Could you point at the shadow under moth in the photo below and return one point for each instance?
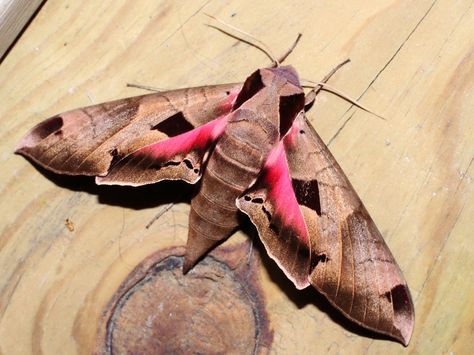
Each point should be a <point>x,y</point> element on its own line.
<point>249,148</point>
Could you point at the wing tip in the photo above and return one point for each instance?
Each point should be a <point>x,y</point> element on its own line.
<point>405,335</point>
<point>20,149</point>
<point>41,131</point>
<point>403,316</point>
<point>300,283</point>
<point>404,313</point>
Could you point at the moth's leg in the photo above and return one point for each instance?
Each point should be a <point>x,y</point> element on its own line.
<point>145,87</point>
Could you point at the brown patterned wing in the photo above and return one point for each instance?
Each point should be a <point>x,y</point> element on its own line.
<point>272,207</point>
<point>88,141</point>
<point>350,262</point>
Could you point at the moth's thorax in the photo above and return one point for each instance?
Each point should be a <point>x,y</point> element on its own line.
<point>266,107</point>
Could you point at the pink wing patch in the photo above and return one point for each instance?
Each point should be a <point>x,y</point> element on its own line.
<point>198,139</point>
<point>227,105</point>
<point>281,193</point>
<point>175,158</point>
<point>290,138</point>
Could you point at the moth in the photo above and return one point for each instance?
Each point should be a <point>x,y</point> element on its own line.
<point>248,148</point>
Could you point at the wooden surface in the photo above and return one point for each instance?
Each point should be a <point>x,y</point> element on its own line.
<point>66,245</point>
<point>218,307</point>
<point>14,15</point>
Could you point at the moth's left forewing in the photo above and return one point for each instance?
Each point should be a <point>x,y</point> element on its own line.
<point>100,140</point>
<point>350,262</point>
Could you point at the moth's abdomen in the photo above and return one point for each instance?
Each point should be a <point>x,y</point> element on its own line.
<point>231,168</point>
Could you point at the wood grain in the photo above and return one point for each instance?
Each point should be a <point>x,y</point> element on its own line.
<point>215,308</point>
<point>14,15</point>
<point>412,62</point>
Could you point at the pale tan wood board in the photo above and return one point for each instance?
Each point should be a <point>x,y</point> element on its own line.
<point>14,15</point>
<point>412,62</point>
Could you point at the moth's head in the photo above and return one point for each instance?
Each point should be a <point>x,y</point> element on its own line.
<point>284,74</point>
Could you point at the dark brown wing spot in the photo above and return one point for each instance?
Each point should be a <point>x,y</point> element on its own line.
<point>267,213</point>
<point>274,228</point>
<point>188,163</point>
<point>174,125</point>
<point>170,163</point>
<point>44,129</point>
<point>190,166</point>
<point>316,259</point>
<point>252,85</point>
<point>401,299</point>
<point>307,194</point>
<point>271,224</point>
<point>290,106</point>
<point>116,156</point>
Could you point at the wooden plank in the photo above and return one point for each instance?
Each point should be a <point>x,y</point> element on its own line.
<point>14,15</point>
<point>412,62</point>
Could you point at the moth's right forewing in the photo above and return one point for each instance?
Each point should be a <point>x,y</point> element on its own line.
<point>88,140</point>
<point>350,262</point>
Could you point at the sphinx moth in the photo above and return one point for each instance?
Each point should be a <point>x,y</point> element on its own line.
<point>253,151</point>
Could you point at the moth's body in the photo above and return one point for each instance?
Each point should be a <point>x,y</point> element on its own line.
<point>236,161</point>
<point>214,216</point>
<point>252,150</point>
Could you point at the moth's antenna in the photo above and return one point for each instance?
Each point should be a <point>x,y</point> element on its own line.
<point>288,52</point>
<point>256,42</point>
<point>311,96</point>
<point>334,70</point>
<point>316,87</point>
<point>324,86</point>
